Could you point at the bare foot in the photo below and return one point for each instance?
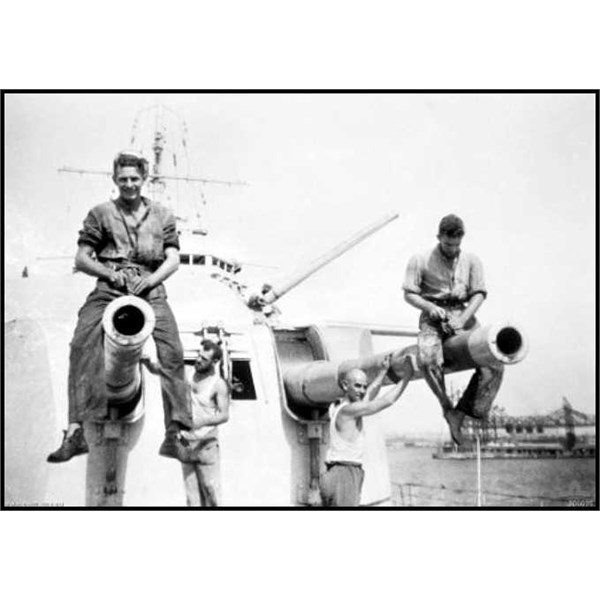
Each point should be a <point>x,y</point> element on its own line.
<point>455,418</point>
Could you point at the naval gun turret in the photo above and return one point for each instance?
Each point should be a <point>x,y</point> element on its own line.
<point>313,359</point>
<point>317,383</point>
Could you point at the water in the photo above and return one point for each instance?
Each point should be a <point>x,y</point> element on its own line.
<point>420,480</point>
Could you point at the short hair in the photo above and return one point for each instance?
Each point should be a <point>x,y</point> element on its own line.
<point>214,347</point>
<point>131,158</point>
<point>452,226</point>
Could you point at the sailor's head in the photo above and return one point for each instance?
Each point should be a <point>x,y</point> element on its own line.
<point>354,384</point>
<point>130,170</point>
<point>450,234</point>
<point>209,355</point>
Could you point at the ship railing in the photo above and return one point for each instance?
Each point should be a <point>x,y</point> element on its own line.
<point>419,494</point>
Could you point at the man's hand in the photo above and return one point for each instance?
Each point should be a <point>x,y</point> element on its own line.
<point>142,285</point>
<point>386,363</point>
<point>116,279</point>
<point>152,367</point>
<point>437,313</point>
<point>456,323</point>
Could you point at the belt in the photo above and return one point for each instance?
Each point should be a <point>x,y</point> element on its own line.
<point>125,266</point>
<point>448,303</point>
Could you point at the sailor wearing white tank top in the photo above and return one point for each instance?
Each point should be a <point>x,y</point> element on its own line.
<point>342,483</point>
<point>344,449</point>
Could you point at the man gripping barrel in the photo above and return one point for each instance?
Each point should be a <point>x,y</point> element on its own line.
<point>342,483</point>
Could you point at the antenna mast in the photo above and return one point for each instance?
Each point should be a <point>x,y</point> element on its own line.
<point>191,221</point>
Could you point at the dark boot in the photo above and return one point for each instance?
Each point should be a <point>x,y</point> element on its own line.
<point>71,446</point>
<point>455,419</point>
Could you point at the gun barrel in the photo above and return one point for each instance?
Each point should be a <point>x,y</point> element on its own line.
<point>278,291</point>
<point>317,383</point>
<point>128,321</point>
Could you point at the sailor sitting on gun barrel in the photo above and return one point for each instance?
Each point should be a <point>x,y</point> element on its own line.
<point>447,285</point>
<point>136,248</point>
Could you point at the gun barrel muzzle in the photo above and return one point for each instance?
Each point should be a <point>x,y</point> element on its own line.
<point>128,322</point>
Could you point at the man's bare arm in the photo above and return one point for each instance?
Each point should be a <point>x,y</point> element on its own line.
<point>435,312</point>
<point>376,384</point>
<point>364,408</point>
<point>222,415</point>
<point>153,367</point>
<point>222,398</point>
<point>458,322</point>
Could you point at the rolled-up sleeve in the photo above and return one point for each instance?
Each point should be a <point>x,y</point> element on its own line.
<point>91,234</point>
<point>412,277</point>
<point>170,236</point>
<point>476,280</point>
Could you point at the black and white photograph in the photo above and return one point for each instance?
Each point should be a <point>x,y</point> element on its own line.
<point>296,299</point>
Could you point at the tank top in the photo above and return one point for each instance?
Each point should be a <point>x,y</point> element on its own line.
<point>203,404</point>
<point>341,450</point>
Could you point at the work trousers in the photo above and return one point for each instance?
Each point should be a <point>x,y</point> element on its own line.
<point>483,387</point>
<point>87,385</point>
<point>341,484</point>
<point>202,478</point>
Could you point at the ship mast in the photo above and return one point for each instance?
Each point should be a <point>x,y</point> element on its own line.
<point>168,139</point>
<point>189,211</point>
<point>165,142</point>
<point>160,143</point>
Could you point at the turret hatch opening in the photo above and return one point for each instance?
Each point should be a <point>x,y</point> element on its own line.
<point>236,366</point>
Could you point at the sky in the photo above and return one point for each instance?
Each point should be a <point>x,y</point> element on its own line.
<point>518,168</point>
